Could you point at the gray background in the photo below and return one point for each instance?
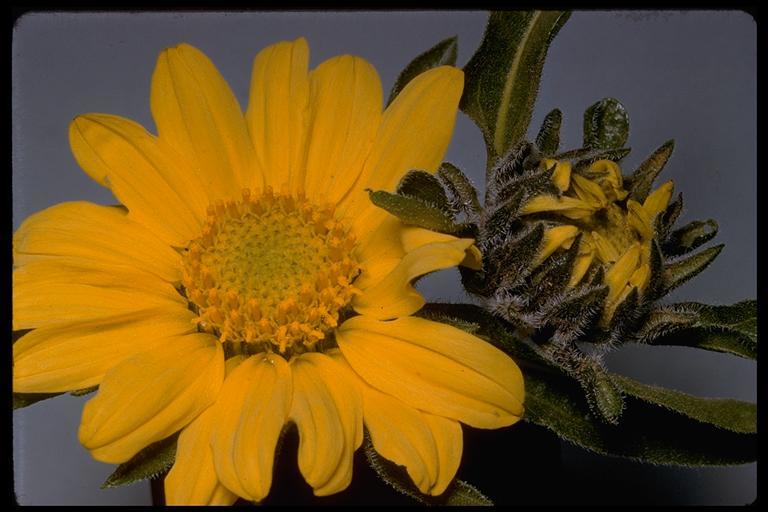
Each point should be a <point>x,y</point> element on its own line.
<point>683,75</point>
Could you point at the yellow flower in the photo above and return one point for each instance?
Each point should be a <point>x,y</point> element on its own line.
<point>617,232</point>
<point>246,281</point>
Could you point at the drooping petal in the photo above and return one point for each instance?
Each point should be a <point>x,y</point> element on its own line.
<point>253,407</point>
<point>328,412</point>
<point>278,114</point>
<point>414,134</point>
<point>159,191</point>
<point>101,235</point>
<point>151,395</point>
<point>69,356</point>
<point>345,106</point>
<point>436,368</point>
<point>53,291</point>
<point>192,480</point>
<point>197,114</point>
<point>394,295</point>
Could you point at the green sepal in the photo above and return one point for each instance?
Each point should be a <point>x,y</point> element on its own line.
<point>21,400</point>
<point>414,211</point>
<point>425,186</point>
<point>442,54</point>
<point>729,329</point>
<point>642,179</point>
<point>603,395</point>
<point>689,237</point>
<point>733,415</point>
<point>548,138</point>
<point>669,216</point>
<point>681,271</point>
<point>576,311</point>
<point>582,158</point>
<point>502,77</point>
<point>513,264</point>
<point>606,125</point>
<point>646,432</point>
<point>462,190</point>
<point>148,463</point>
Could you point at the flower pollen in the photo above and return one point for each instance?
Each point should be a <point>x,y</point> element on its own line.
<point>270,271</point>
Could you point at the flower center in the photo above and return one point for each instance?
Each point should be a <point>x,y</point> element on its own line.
<point>270,271</point>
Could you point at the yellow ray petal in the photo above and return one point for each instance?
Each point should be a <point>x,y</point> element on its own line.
<point>197,114</point>
<point>449,442</point>
<point>329,415</point>
<point>555,238</point>
<point>581,265</point>
<point>159,192</point>
<point>658,200</point>
<point>618,275</point>
<point>436,368</point>
<point>639,278</point>
<point>253,406</point>
<point>604,248</point>
<point>69,356</point>
<point>589,191</point>
<point>639,219</point>
<point>192,480</point>
<point>52,291</point>
<point>568,206</point>
<point>561,175</point>
<point>345,106</point>
<point>277,114</point>
<point>100,235</point>
<point>414,134</point>
<point>394,295</point>
<point>151,395</point>
<point>611,180</point>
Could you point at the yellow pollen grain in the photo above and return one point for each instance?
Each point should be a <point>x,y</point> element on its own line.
<point>272,270</point>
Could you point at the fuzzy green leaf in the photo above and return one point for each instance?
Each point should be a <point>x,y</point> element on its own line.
<point>548,138</point>
<point>603,395</point>
<point>679,272</point>
<point>647,433</point>
<point>425,186</point>
<point>606,125</point>
<point>667,219</point>
<point>502,77</point>
<point>415,211</point>
<point>21,400</point>
<point>460,187</point>
<point>462,494</point>
<point>689,237</point>
<point>442,54</point>
<point>733,415</point>
<point>729,329</point>
<point>148,463</point>
<point>642,179</point>
<point>582,158</point>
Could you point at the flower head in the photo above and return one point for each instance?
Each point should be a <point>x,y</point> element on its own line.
<point>247,282</point>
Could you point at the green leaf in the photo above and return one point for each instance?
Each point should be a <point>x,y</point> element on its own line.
<point>733,415</point>
<point>21,400</point>
<point>679,272</point>
<point>148,463</point>
<point>689,237</point>
<point>647,433</point>
<point>502,77</point>
<point>425,186</point>
<point>583,158</point>
<point>460,187</point>
<point>462,494</point>
<point>729,329</point>
<point>442,54</point>
<point>415,212</point>
<point>606,125</point>
<point>642,179</point>
<point>548,138</point>
<point>667,219</point>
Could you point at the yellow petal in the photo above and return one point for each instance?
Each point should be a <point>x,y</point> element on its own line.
<point>561,175</point>
<point>639,219</point>
<point>640,277</point>
<point>277,111</point>
<point>159,192</point>
<point>53,291</point>
<point>414,134</point>
<point>394,295</point>
<point>328,412</point>
<point>658,200</point>
<point>345,106</point>
<point>611,180</point>
<point>151,395</point>
<point>589,191</point>
<point>581,266</point>
<point>413,237</point>
<point>102,235</point>
<point>253,406</point>
<point>618,275</point>
<point>436,368</point>
<point>379,251</point>
<point>69,356</point>
<point>449,442</point>
<point>197,114</point>
<point>604,248</point>
<point>555,238</point>
<point>568,206</point>
<point>192,480</point>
